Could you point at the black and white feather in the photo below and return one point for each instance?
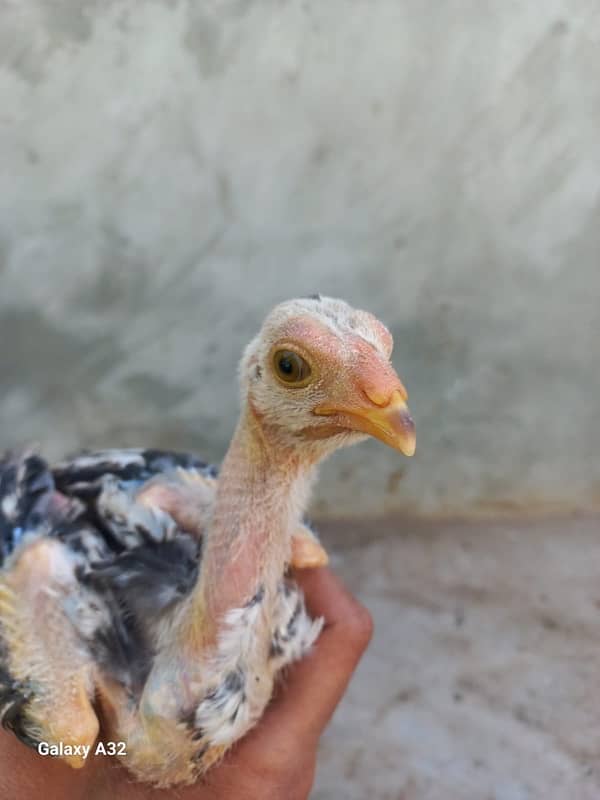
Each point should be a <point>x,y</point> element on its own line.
<point>133,566</point>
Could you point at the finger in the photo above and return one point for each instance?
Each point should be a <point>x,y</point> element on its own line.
<point>26,774</point>
<point>315,685</point>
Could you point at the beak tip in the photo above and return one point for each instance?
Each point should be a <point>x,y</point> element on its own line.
<point>409,449</point>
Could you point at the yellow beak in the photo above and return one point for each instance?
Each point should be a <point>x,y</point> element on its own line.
<point>391,423</point>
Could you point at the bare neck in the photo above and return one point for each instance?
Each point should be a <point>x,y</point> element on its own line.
<point>262,490</point>
<point>261,493</point>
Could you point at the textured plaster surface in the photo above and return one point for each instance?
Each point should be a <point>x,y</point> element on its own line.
<point>481,682</point>
<point>169,170</point>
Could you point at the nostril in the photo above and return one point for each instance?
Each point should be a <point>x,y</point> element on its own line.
<point>377,397</point>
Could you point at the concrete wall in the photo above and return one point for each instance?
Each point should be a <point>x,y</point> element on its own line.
<point>168,170</point>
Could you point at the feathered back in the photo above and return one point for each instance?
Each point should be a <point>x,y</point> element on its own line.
<point>131,560</point>
<point>26,494</point>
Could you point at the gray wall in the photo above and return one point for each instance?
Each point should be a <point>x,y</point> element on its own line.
<point>167,172</point>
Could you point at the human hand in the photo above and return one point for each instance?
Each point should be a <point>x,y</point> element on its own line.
<point>275,761</point>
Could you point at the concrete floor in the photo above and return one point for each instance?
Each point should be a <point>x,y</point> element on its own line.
<point>483,679</point>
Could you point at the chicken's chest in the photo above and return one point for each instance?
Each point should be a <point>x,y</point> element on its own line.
<point>270,631</point>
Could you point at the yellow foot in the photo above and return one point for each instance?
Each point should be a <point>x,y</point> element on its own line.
<point>307,551</point>
<point>44,651</point>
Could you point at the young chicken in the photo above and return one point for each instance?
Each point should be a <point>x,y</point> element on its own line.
<point>140,587</point>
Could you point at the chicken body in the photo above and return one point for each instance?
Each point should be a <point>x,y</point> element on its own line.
<point>109,571</point>
<point>138,587</point>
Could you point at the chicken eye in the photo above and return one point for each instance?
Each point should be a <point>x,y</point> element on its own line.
<point>290,367</point>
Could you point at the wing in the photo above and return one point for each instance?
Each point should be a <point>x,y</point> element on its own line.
<point>29,504</point>
<point>152,562</point>
<point>127,561</point>
<point>110,483</point>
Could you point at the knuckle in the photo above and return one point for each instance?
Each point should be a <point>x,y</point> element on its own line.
<point>303,784</point>
<point>360,626</point>
<point>300,780</point>
<point>277,763</point>
<point>290,776</point>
